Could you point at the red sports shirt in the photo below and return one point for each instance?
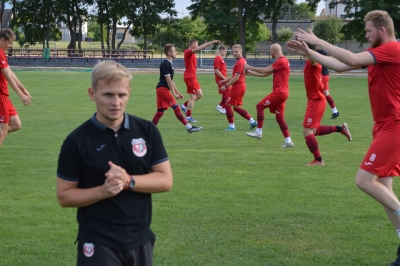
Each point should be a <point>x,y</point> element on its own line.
<point>239,68</point>
<point>384,82</point>
<point>190,64</point>
<point>281,75</point>
<point>219,64</point>
<point>3,81</point>
<point>313,81</point>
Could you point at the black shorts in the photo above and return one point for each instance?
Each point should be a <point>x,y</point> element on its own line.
<point>96,254</point>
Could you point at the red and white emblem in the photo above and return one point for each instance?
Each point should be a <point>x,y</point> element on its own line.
<point>88,249</point>
<point>139,147</point>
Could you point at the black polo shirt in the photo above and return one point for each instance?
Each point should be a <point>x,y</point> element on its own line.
<point>166,69</point>
<point>123,221</point>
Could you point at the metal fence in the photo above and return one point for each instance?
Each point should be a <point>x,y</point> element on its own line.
<point>79,53</point>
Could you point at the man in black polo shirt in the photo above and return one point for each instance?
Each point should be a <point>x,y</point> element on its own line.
<point>107,168</point>
<point>167,92</point>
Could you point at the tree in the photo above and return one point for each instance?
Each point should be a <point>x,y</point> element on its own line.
<point>329,30</point>
<point>146,16</point>
<point>37,19</point>
<point>256,33</point>
<point>109,15</point>
<point>233,17</point>
<point>73,13</point>
<point>94,28</point>
<point>220,18</point>
<point>355,29</point>
<point>165,36</point>
<point>298,11</point>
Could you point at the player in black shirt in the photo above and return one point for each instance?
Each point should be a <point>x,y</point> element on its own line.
<point>166,91</point>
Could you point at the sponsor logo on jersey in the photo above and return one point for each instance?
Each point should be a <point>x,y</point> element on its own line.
<point>139,147</point>
<point>88,249</point>
<point>101,147</point>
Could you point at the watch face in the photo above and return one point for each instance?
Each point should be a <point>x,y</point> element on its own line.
<point>131,183</point>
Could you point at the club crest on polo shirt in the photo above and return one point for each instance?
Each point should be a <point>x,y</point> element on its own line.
<point>88,249</point>
<point>139,147</point>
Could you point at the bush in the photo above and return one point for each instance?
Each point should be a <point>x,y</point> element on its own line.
<point>284,34</point>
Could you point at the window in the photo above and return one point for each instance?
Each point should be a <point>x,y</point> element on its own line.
<point>120,35</point>
<point>342,17</point>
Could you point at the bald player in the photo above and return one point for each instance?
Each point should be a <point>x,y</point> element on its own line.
<point>276,100</point>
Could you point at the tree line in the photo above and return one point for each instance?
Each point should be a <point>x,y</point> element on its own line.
<point>231,21</point>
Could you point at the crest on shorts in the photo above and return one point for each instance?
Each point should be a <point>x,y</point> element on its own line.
<point>139,147</point>
<point>88,249</point>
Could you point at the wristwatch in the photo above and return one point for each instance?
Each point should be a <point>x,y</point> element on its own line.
<point>130,183</point>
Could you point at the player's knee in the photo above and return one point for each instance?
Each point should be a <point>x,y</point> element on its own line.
<point>364,180</point>
<point>14,125</point>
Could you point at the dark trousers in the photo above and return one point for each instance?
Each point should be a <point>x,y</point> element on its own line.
<point>96,254</point>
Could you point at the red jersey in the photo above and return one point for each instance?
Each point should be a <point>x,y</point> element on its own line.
<point>384,82</point>
<point>3,80</point>
<point>219,64</point>
<point>313,81</point>
<point>281,75</point>
<point>190,64</point>
<point>239,68</point>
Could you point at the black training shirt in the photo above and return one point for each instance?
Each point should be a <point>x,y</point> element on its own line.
<point>123,221</point>
<point>166,69</point>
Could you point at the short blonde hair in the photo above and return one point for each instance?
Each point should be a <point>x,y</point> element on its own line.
<point>237,46</point>
<point>109,70</point>
<point>380,18</point>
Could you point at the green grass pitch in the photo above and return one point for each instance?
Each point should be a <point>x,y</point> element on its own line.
<point>235,200</point>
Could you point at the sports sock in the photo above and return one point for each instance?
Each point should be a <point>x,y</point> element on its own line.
<point>229,113</point>
<point>330,100</point>
<point>222,103</point>
<point>325,130</point>
<point>259,130</point>
<point>242,112</point>
<point>188,126</point>
<point>282,124</point>
<point>188,113</point>
<point>157,117</point>
<point>397,212</point>
<point>288,140</point>
<point>334,110</point>
<point>260,114</point>
<point>251,120</point>
<point>178,114</point>
<point>312,145</point>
